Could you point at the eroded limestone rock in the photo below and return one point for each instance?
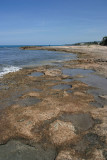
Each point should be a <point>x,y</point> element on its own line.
<point>53,72</point>
<point>98,155</point>
<point>61,132</point>
<point>67,155</point>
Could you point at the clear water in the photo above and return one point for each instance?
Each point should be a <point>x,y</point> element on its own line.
<point>76,71</point>
<point>96,81</point>
<point>68,80</point>
<point>62,86</point>
<point>36,74</point>
<point>13,58</point>
<point>89,77</point>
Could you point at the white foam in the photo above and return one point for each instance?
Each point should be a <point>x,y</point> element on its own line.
<point>8,69</point>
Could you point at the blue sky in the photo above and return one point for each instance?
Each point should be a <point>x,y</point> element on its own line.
<point>52,21</point>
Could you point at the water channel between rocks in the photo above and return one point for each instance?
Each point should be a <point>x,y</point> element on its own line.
<point>36,74</point>
<point>92,79</point>
<point>89,77</point>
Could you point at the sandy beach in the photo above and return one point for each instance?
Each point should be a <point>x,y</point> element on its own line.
<point>57,112</point>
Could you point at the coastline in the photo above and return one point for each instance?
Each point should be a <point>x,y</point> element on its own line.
<point>96,53</point>
<point>37,112</point>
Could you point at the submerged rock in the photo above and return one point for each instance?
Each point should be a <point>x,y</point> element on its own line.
<point>62,87</point>
<point>15,150</point>
<point>88,143</point>
<point>28,101</point>
<point>81,121</point>
<point>36,74</point>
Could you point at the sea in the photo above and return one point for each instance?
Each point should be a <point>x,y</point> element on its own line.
<point>12,58</point>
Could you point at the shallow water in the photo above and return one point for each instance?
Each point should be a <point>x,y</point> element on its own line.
<point>67,80</point>
<point>89,77</point>
<point>88,142</point>
<point>78,120</point>
<point>69,91</point>
<point>12,58</point>
<point>36,74</point>
<point>28,101</point>
<point>96,81</point>
<point>16,150</point>
<point>14,97</point>
<point>62,86</point>
<point>76,71</point>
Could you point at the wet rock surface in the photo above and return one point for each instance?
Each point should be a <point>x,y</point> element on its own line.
<point>76,71</point>
<point>87,145</point>
<point>15,150</point>
<point>28,101</point>
<point>62,87</point>
<point>57,113</point>
<point>81,121</point>
<point>68,80</point>
<point>89,141</point>
<point>36,74</point>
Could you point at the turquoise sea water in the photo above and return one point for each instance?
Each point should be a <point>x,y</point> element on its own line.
<point>12,58</point>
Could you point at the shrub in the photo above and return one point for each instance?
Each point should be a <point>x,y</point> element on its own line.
<point>104,41</point>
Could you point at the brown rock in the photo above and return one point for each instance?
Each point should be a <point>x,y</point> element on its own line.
<point>33,94</point>
<point>98,155</point>
<point>53,72</point>
<point>101,129</point>
<point>19,121</point>
<point>84,96</point>
<point>67,155</point>
<point>61,132</point>
<point>65,94</point>
<point>104,96</point>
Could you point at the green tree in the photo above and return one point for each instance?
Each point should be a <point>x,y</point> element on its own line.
<point>104,41</point>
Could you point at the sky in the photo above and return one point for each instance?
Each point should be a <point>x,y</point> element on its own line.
<point>52,22</point>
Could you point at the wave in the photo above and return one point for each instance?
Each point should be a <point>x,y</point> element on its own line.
<point>8,69</point>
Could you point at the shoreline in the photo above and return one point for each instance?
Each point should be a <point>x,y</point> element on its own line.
<point>47,106</point>
<point>96,53</point>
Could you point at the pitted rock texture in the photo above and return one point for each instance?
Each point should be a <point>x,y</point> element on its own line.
<point>15,150</point>
<point>61,132</point>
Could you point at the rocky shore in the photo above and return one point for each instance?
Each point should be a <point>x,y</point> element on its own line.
<point>97,54</point>
<point>56,112</point>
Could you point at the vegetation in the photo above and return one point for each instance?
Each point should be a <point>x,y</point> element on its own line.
<point>104,41</point>
<point>83,43</point>
<point>88,43</point>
